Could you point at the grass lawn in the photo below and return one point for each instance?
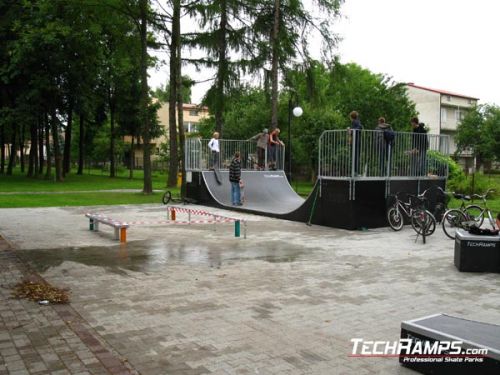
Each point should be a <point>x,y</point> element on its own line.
<point>77,190</point>
<point>93,179</point>
<point>76,199</point>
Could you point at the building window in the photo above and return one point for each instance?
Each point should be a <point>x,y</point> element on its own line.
<point>190,127</point>
<point>193,112</point>
<point>459,115</point>
<point>471,101</point>
<point>443,114</point>
<point>448,98</point>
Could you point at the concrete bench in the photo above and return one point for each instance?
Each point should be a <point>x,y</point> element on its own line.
<point>119,227</point>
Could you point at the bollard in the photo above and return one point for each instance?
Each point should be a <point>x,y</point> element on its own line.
<point>123,234</point>
<point>189,217</point>
<point>236,228</point>
<point>244,229</point>
<point>172,214</point>
<point>215,223</point>
<point>91,224</point>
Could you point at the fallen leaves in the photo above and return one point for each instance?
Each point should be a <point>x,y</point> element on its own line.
<point>38,291</point>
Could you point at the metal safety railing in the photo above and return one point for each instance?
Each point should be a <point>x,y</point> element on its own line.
<point>368,154</point>
<point>199,157</point>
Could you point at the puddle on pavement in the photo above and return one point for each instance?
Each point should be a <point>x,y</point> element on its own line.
<point>152,256</point>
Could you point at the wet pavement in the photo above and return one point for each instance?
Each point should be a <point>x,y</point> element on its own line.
<point>288,299</point>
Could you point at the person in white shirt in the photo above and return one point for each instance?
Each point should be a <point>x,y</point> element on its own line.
<point>213,145</point>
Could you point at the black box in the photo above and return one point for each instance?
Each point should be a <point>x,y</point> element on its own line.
<point>473,339</point>
<point>477,253</point>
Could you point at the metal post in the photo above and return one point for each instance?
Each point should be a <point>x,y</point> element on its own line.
<point>236,228</point>
<point>289,175</point>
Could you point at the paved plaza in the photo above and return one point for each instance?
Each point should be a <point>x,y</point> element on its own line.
<point>179,299</point>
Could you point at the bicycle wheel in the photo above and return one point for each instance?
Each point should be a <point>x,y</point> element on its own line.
<point>475,213</point>
<point>395,218</point>
<point>452,220</point>
<point>423,222</point>
<point>167,197</point>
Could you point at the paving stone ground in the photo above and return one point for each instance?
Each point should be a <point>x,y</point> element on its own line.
<point>190,300</point>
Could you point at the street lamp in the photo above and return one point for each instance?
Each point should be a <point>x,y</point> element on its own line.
<point>297,112</point>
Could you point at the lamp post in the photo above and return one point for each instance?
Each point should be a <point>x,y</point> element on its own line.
<point>297,112</point>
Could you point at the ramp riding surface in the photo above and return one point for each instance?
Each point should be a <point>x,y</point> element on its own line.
<point>266,192</point>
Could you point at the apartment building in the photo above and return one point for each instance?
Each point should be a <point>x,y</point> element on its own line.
<point>442,111</point>
<point>192,115</point>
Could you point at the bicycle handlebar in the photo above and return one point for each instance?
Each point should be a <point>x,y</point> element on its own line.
<point>485,195</point>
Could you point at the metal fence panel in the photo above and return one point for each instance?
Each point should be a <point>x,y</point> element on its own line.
<point>199,156</point>
<point>345,154</point>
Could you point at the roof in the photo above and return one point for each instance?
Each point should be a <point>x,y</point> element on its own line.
<point>442,92</point>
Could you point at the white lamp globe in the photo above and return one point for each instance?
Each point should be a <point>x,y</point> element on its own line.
<point>297,111</point>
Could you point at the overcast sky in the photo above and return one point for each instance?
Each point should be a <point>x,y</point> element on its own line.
<point>443,44</point>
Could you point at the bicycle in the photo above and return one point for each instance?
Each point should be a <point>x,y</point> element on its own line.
<point>479,216</point>
<point>466,216</point>
<point>167,198</point>
<point>421,219</point>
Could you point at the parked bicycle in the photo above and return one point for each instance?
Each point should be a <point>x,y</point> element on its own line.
<point>421,219</point>
<point>466,215</point>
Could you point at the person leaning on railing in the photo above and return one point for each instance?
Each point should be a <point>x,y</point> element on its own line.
<point>262,141</point>
<point>355,131</point>
<point>274,142</point>
<point>420,144</point>
<point>384,139</point>
<point>213,145</point>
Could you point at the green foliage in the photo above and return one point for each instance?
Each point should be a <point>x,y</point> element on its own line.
<point>325,94</point>
<point>479,131</point>
<point>162,93</point>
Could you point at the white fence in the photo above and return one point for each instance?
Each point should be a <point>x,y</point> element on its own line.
<point>366,154</point>
<point>199,156</point>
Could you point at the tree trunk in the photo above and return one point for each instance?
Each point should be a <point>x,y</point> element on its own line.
<point>57,149</point>
<point>33,162</point>
<point>132,159</point>
<point>148,183</point>
<point>274,65</point>
<point>2,149</point>
<point>180,114</point>
<point>174,156</point>
<point>81,145</point>
<point>21,147</point>
<point>13,152</point>
<point>221,70</point>
<point>67,141</point>
<point>40,145</point>
<point>48,169</point>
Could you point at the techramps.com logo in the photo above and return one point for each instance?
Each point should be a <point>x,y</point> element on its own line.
<point>415,350</point>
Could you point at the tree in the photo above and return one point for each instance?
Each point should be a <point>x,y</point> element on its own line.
<point>479,132</point>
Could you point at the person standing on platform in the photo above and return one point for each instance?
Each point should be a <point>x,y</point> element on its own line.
<point>213,145</point>
<point>420,144</point>
<point>274,142</point>
<point>262,141</point>
<point>234,178</point>
<point>355,139</point>
<point>384,139</point>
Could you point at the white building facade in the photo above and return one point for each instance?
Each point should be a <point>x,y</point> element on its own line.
<point>441,111</point>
